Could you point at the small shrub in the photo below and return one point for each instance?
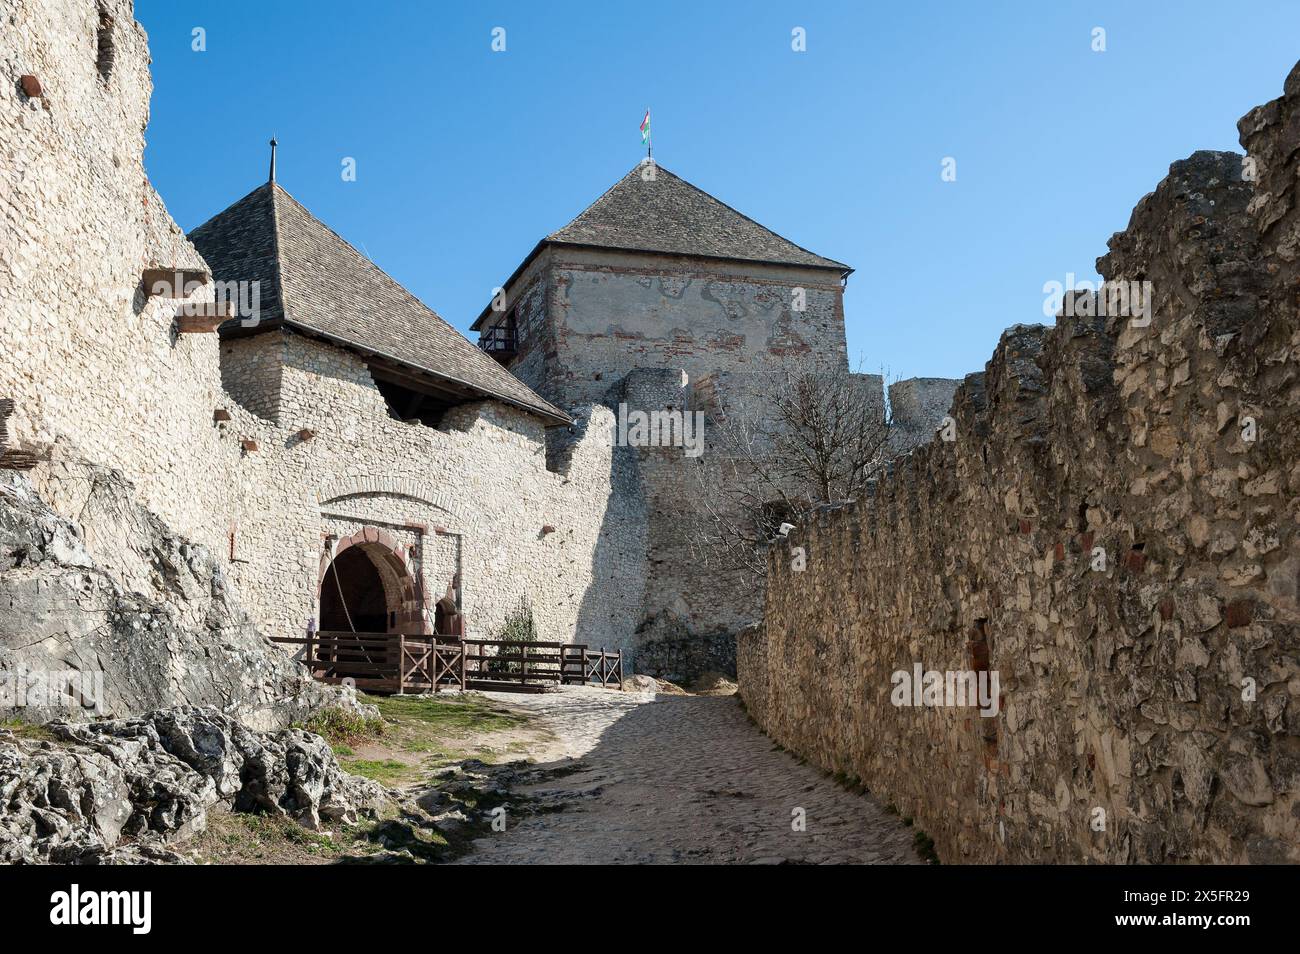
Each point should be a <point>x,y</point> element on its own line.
<point>519,627</point>
<point>344,727</point>
<point>925,847</point>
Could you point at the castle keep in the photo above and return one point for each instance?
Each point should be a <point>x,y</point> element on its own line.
<point>660,296</point>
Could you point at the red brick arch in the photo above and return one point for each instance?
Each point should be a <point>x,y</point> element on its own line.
<point>402,588</point>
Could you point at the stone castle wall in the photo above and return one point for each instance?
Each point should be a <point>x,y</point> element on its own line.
<point>98,372</point>
<point>473,497</point>
<point>1114,532</point>
<point>90,361</point>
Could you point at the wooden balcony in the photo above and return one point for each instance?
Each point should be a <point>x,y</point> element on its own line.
<point>500,341</point>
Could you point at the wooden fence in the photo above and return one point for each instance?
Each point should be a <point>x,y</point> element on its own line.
<point>530,667</point>
<point>402,662</point>
<point>382,662</point>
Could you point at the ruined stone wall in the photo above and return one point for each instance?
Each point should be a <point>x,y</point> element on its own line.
<point>685,623</point>
<point>95,367</point>
<point>1114,532</point>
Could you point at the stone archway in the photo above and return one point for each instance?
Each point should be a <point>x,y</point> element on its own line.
<point>368,584</point>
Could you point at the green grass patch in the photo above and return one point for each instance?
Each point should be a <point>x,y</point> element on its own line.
<point>460,713</point>
<point>237,838</point>
<point>384,771</point>
<point>343,727</point>
<point>27,730</point>
<point>266,829</point>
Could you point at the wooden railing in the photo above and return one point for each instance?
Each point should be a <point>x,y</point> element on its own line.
<point>530,666</point>
<point>509,664</point>
<point>602,667</point>
<point>500,341</point>
<point>384,662</point>
<point>402,662</point>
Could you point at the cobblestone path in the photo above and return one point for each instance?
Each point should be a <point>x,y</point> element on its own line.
<point>680,779</point>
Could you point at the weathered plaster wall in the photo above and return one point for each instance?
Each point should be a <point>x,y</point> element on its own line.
<point>1156,686</point>
<point>610,312</point>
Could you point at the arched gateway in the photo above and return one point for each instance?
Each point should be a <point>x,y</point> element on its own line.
<point>368,585</point>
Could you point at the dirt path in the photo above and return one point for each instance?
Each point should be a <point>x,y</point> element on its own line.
<point>682,779</point>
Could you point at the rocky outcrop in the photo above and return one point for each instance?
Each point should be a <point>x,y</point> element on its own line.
<point>1114,533</point>
<point>124,790</point>
<point>117,615</point>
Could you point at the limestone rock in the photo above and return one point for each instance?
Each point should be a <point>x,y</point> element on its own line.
<point>149,622</point>
<point>119,791</point>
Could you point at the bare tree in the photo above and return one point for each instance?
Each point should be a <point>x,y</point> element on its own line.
<point>814,439</point>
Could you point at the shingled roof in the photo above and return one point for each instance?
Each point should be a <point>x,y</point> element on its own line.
<point>666,214</point>
<point>312,280</point>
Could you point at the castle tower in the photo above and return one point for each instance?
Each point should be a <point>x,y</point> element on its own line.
<point>659,297</point>
<point>657,273</point>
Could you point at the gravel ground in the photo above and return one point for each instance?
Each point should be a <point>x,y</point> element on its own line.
<point>680,779</point>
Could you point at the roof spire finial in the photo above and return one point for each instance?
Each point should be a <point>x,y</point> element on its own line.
<point>273,145</point>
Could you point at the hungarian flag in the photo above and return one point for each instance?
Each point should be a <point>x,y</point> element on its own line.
<point>645,129</point>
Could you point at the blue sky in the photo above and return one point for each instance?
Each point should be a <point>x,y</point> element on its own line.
<point>465,157</point>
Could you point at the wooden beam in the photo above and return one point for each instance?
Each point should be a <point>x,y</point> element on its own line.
<point>203,317</point>
<point>6,410</point>
<point>172,282</point>
<point>427,384</point>
<point>23,458</point>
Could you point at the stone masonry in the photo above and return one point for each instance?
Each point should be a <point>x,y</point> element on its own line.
<point>264,450</point>
<point>276,449</point>
<point>1114,532</point>
<point>658,297</point>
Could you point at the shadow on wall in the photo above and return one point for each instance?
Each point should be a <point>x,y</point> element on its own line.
<point>614,599</point>
<point>642,597</point>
